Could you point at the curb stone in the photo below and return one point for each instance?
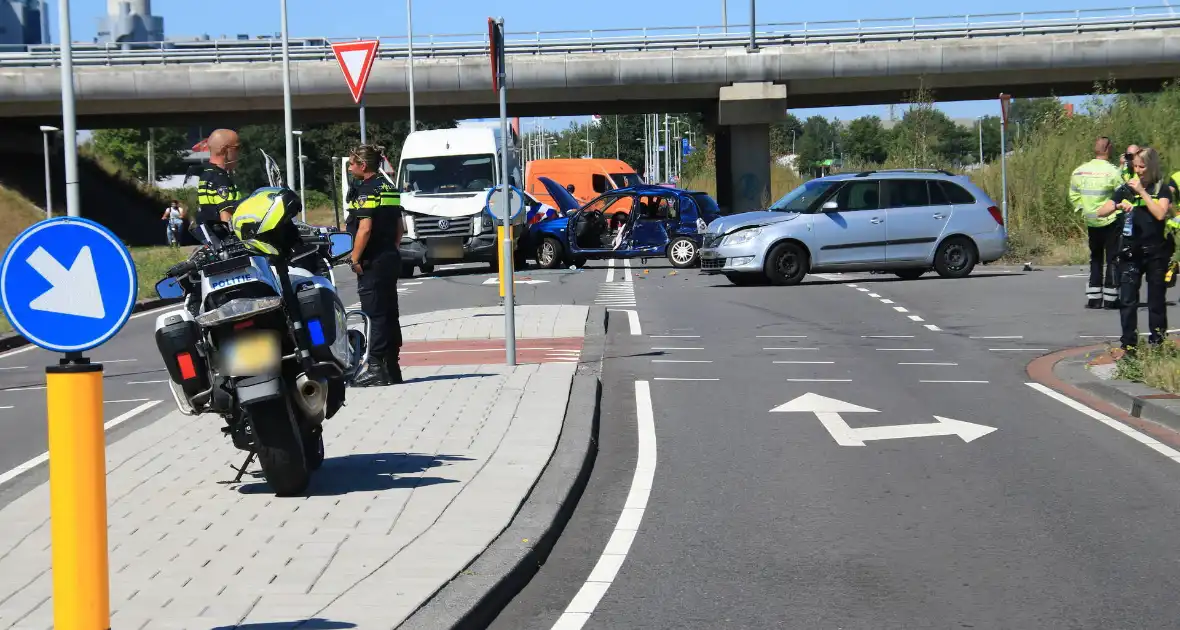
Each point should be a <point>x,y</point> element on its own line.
<point>14,340</point>
<point>1136,399</point>
<point>474,597</point>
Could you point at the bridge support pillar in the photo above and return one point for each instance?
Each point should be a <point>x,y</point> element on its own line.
<point>744,114</point>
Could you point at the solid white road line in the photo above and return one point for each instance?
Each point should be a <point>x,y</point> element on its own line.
<point>905,349</point>
<point>886,336</point>
<point>952,381</point>
<point>15,367</point>
<point>677,361</point>
<point>804,362</point>
<point>1146,440</point>
<point>675,336</point>
<point>135,316</point>
<point>116,361</point>
<point>128,400</point>
<point>632,319</point>
<point>7,407</point>
<point>610,270</point>
<point>24,389</point>
<point>1002,337</point>
<point>782,336</point>
<point>1018,349</point>
<point>927,363</point>
<point>579,610</point>
<point>820,380</point>
<point>145,382</point>
<point>44,457</point>
<point>790,348</point>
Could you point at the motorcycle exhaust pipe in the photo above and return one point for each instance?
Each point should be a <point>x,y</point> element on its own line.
<point>311,395</point>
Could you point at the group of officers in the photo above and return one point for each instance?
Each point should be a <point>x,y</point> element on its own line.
<point>374,221</point>
<point>1127,210</point>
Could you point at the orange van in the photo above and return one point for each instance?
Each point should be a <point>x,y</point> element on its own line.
<point>590,177</point>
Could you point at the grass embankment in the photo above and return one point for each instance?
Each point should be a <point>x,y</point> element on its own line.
<point>17,213</point>
<point>1157,367</point>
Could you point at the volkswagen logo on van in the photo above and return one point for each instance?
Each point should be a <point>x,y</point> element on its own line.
<point>443,224</point>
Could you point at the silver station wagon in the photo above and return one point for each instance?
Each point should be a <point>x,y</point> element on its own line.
<point>902,221</point>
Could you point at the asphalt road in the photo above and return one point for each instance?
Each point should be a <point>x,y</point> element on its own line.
<point>761,519</point>
<point>134,389</point>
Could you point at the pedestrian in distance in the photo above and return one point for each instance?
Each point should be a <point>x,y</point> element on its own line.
<point>1145,251</point>
<point>375,223</point>
<point>217,195</point>
<point>1091,186</point>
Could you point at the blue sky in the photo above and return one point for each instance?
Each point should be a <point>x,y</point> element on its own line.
<point>324,18</point>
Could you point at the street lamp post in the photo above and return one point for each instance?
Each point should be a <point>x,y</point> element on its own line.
<point>753,22</point>
<point>980,119</point>
<point>45,131</point>
<point>287,123</point>
<point>68,114</point>
<point>410,41</point>
<point>302,199</point>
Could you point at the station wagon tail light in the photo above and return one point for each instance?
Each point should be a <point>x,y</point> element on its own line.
<point>996,214</point>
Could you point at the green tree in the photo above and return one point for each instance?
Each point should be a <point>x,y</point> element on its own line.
<point>816,145</point>
<point>127,148</point>
<point>785,135</point>
<point>925,137</point>
<point>865,140</point>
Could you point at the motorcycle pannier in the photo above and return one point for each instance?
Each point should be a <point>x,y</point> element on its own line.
<point>177,342</point>
<point>318,306</point>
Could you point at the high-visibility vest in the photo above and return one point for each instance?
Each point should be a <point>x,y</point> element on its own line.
<point>1092,185</point>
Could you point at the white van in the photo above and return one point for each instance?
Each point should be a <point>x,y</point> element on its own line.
<point>444,176</point>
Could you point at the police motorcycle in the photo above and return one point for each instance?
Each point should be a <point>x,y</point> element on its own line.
<point>263,339</point>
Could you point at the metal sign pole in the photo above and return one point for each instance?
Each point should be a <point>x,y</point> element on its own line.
<point>69,125</point>
<point>1004,100</point>
<point>364,135</point>
<point>509,297</point>
<point>288,125</point>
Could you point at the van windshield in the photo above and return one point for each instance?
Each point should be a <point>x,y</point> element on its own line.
<point>626,180</point>
<point>448,174</point>
<point>802,198</point>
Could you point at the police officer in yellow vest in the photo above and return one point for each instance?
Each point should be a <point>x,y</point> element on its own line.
<point>375,222</point>
<point>217,196</point>
<point>1090,187</point>
<point>1145,250</point>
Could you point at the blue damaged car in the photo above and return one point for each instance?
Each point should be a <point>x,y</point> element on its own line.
<point>634,222</point>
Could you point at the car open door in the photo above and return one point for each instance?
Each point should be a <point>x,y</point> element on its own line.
<point>651,223</point>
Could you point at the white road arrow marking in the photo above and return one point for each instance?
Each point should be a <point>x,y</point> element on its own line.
<point>828,411</point>
<point>74,291</point>
<point>497,281</point>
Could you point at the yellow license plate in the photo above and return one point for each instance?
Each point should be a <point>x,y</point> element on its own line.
<point>252,353</point>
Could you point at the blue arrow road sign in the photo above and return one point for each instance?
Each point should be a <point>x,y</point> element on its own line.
<point>67,284</point>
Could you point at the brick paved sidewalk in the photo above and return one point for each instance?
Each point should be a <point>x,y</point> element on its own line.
<point>419,479</point>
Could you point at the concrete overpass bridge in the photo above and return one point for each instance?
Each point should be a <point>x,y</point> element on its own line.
<point>740,89</point>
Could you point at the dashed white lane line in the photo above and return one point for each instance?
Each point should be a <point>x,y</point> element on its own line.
<point>44,457</point>
<point>932,363</point>
<point>677,361</point>
<point>862,289</point>
<point>145,382</point>
<point>972,382</point>
<point>1018,349</point>
<point>25,389</point>
<point>886,336</point>
<point>7,407</point>
<point>677,348</point>
<point>610,270</point>
<point>675,336</point>
<point>874,295</point>
<point>804,362</point>
<point>685,379</point>
<point>819,380</point>
<point>885,301</point>
<point>790,348</point>
<point>916,318</point>
<point>128,400</point>
<point>905,349</point>
<point>782,336</point>
<point>1001,337</point>
<point>933,328</point>
<point>14,367</point>
<point>1148,441</point>
<point>582,606</point>
<point>627,271</point>
<point>901,309</point>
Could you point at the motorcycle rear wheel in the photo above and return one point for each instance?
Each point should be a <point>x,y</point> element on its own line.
<point>284,461</point>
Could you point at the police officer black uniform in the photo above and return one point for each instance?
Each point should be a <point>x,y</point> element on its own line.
<point>1145,250</point>
<point>375,222</point>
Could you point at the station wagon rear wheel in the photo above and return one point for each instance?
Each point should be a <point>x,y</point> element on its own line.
<point>787,264</point>
<point>956,257</point>
<point>682,252</point>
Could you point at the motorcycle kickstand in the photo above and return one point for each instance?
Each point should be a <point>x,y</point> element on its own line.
<point>245,465</point>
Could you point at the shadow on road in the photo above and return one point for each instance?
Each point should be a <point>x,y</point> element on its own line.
<point>367,472</point>
<point>445,377</point>
<point>882,279</point>
<point>306,624</point>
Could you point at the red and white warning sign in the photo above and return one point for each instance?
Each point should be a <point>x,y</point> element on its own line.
<point>356,61</point>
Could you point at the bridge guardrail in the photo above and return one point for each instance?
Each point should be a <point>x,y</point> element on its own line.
<point>622,40</point>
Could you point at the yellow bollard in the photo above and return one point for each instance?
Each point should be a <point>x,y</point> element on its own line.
<point>500,256</point>
<point>78,497</point>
